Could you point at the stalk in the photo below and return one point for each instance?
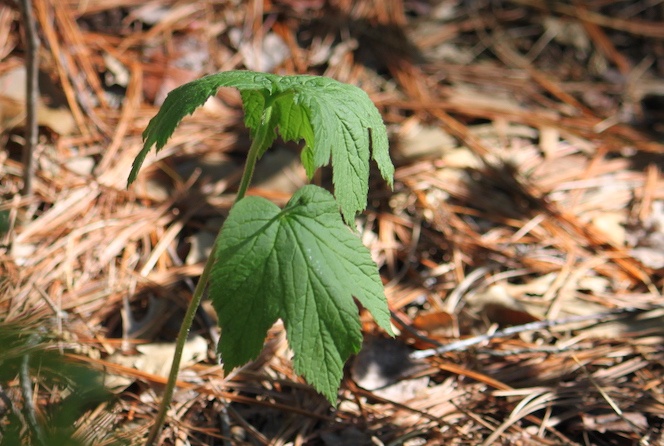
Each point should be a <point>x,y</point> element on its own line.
<point>258,146</point>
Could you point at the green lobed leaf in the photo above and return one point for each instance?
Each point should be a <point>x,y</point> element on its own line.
<point>301,264</point>
<point>185,99</point>
<point>347,129</point>
<point>338,123</point>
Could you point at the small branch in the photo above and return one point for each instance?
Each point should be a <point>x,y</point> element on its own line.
<point>32,94</point>
<point>539,325</point>
<point>9,406</point>
<point>28,401</point>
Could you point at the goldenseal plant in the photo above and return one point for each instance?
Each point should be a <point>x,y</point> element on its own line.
<point>302,264</point>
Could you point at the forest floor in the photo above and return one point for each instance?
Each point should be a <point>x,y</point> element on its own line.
<point>521,248</point>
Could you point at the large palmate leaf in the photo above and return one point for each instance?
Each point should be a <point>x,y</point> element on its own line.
<point>337,122</point>
<point>303,265</point>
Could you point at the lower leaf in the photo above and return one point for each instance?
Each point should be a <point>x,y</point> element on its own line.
<point>302,265</point>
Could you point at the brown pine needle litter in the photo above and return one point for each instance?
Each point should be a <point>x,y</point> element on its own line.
<point>522,247</point>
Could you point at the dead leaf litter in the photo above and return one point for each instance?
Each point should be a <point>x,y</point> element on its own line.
<point>521,248</point>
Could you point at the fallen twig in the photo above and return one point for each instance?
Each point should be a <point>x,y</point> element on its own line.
<point>32,94</point>
<point>531,326</point>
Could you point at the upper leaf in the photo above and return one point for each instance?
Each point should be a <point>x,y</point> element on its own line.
<point>300,264</point>
<point>337,122</point>
<point>346,128</point>
<point>184,100</point>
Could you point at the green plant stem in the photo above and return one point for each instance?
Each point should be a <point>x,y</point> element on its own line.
<point>257,147</point>
<point>179,348</point>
